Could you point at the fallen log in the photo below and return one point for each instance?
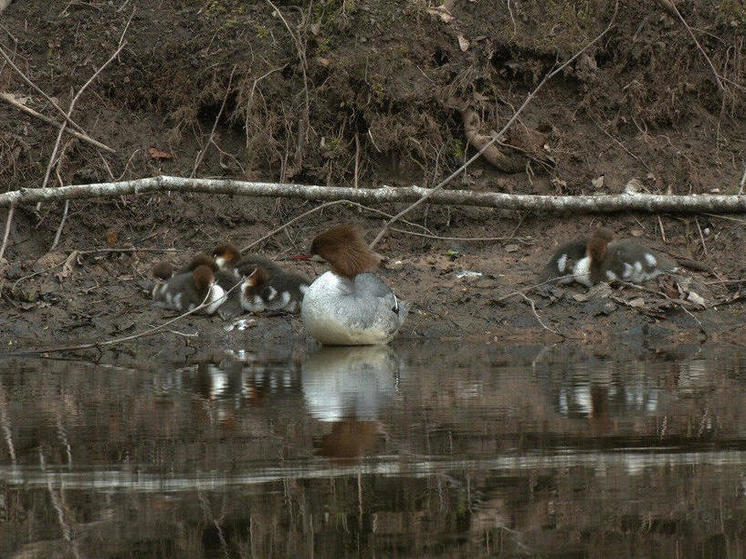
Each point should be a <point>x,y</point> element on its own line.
<point>606,203</point>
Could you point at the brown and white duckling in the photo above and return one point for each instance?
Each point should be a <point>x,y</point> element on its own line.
<point>163,270</point>
<point>619,260</point>
<point>562,265</point>
<point>272,291</point>
<point>186,291</point>
<point>228,258</point>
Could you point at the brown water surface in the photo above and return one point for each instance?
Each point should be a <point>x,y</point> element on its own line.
<point>430,450</point>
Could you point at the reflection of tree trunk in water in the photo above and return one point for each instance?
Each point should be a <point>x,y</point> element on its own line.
<point>589,204</point>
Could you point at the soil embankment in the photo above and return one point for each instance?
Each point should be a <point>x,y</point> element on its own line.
<point>366,93</point>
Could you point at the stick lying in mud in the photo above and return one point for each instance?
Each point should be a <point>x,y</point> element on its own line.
<point>691,203</point>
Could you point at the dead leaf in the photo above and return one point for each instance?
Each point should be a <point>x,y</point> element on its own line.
<point>636,303</point>
<point>636,232</point>
<point>155,153</point>
<point>112,238</point>
<point>598,182</point>
<point>442,12</point>
<point>67,267</point>
<point>512,248</point>
<point>463,43</point>
<point>316,28</point>
<point>323,61</point>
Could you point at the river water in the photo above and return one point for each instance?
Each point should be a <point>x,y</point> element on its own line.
<point>426,450</point>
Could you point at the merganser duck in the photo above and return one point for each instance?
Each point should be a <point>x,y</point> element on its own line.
<point>186,291</point>
<point>228,258</point>
<point>620,260</point>
<point>273,291</point>
<point>346,306</point>
<point>562,265</point>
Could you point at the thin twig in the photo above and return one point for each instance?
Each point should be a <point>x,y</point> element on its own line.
<point>726,218</point>
<point>701,236</point>
<point>532,287</point>
<point>58,234</point>
<point>321,207</point>
<point>8,98</point>
<point>499,135</point>
<point>669,299</point>
<point>621,145</point>
<point>460,239</point>
<point>743,180</point>
<point>122,44</point>
<point>8,221</point>
<point>536,314</point>
<point>671,6</point>
<point>663,231</point>
<point>91,251</point>
<point>717,282</point>
<point>202,153</point>
<point>303,66</point>
<point>144,333</point>
<point>36,88</point>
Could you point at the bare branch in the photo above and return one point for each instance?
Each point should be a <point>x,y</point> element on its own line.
<point>649,203</point>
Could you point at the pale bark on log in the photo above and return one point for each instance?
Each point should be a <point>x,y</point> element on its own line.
<point>557,204</point>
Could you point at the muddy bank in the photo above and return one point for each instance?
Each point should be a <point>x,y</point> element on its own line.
<point>227,90</point>
<point>99,296</point>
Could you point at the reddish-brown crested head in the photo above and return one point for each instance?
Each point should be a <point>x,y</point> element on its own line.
<point>344,248</point>
<point>202,259</point>
<point>163,270</point>
<point>225,254</point>
<point>258,277</point>
<point>203,279</point>
<point>596,251</point>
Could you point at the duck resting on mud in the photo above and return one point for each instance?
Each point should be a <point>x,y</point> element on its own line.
<point>601,258</point>
<point>348,305</point>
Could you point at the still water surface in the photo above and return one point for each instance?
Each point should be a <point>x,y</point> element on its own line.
<point>444,450</point>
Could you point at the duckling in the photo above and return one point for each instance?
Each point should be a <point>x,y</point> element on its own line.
<point>228,258</point>
<point>185,291</point>
<point>347,305</point>
<point>619,260</point>
<point>562,264</point>
<point>273,291</point>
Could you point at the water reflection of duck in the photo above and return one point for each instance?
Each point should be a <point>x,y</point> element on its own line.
<point>348,387</point>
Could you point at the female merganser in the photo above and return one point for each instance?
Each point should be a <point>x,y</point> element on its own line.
<point>346,306</point>
<point>272,291</point>
<point>562,265</point>
<point>186,291</point>
<point>621,260</point>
